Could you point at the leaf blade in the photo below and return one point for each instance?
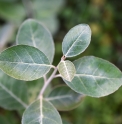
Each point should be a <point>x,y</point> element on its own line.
<point>76,40</point>
<point>24,62</point>
<point>33,33</point>
<point>95,77</point>
<point>67,70</point>
<point>41,112</point>
<point>64,99</point>
<point>11,91</point>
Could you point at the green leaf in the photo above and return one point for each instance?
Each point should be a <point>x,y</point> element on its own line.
<point>33,33</point>
<point>67,70</point>
<point>64,99</point>
<point>13,93</point>
<point>41,112</point>
<point>24,62</point>
<point>95,77</point>
<point>76,40</point>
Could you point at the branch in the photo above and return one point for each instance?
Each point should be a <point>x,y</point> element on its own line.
<point>45,78</point>
<point>48,81</point>
<point>58,75</point>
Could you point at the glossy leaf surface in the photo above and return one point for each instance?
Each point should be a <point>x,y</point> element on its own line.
<point>24,62</point>
<point>13,93</point>
<point>95,77</point>
<point>64,99</point>
<point>41,112</point>
<point>76,40</point>
<point>67,70</point>
<point>33,33</point>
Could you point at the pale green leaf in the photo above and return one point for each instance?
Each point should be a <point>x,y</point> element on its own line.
<point>24,62</point>
<point>64,99</point>
<point>41,112</point>
<point>33,33</point>
<point>76,40</point>
<point>13,93</point>
<point>67,70</point>
<point>95,77</point>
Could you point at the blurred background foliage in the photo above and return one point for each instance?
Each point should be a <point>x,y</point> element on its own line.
<point>105,20</point>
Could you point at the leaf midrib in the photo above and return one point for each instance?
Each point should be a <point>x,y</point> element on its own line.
<point>75,41</point>
<point>66,70</point>
<point>58,97</point>
<point>94,76</point>
<point>27,63</point>
<point>33,39</point>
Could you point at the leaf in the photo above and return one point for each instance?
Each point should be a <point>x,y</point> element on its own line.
<point>41,112</point>
<point>64,99</point>
<point>67,70</point>
<point>24,62</point>
<point>95,77</point>
<point>76,40</point>
<point>13,93</point>
<point>33,33</point>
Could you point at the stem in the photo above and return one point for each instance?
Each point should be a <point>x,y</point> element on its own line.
<point>48,81</point>
<point>58,75</point>
<point>45,78</point>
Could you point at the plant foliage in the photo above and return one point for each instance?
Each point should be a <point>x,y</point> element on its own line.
<point>32,59</point>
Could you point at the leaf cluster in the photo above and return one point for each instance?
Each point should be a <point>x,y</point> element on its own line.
<point>32,59</point>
